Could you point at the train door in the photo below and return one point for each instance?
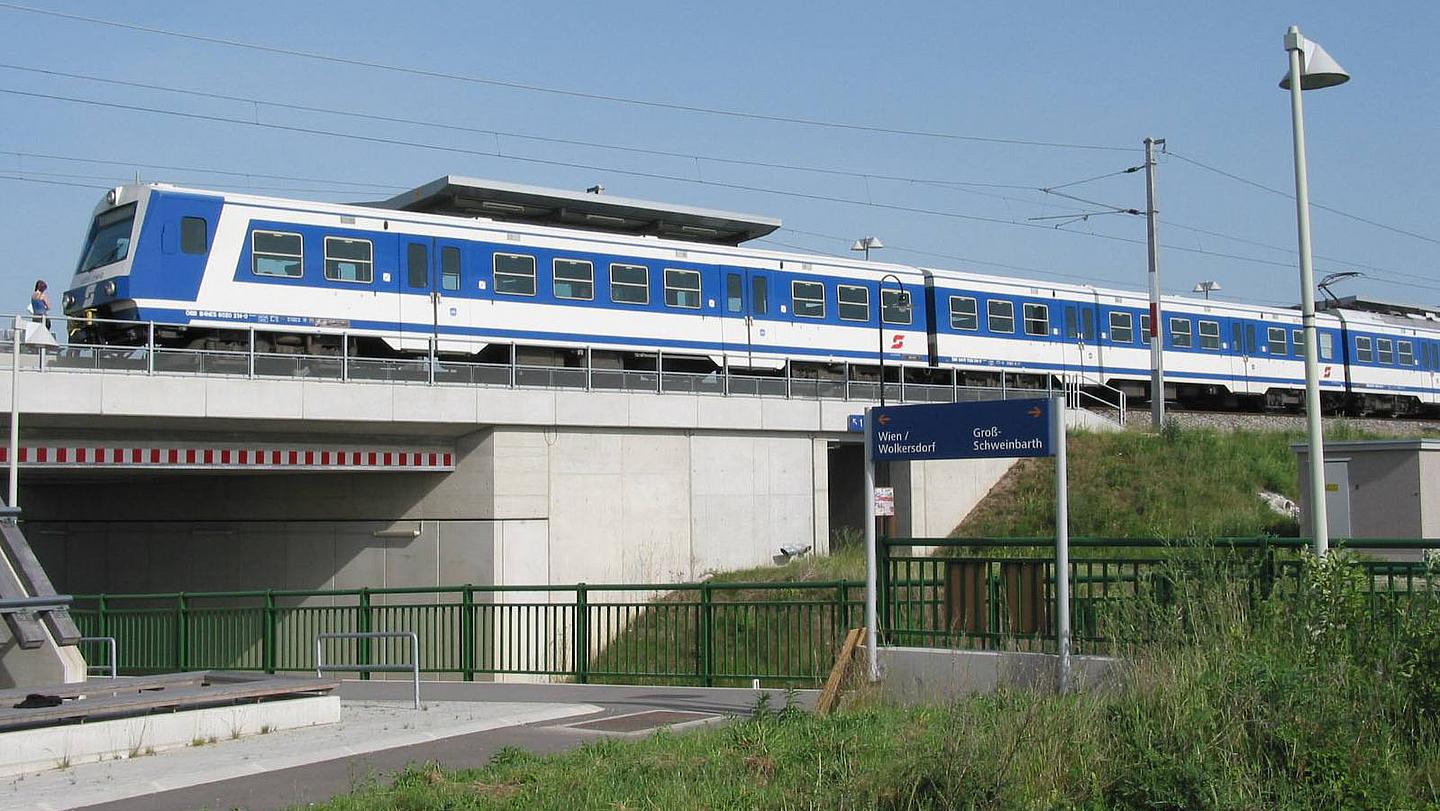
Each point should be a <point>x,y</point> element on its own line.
<point>1242,363</point>
<point>745,326</point>
<point>1080,331</point>
<point>431,304</point>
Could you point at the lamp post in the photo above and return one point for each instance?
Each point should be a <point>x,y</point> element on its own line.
<point>880,322</point>
<point>865,244</point>
<point>1207,287</point>
<point>1310,69</point>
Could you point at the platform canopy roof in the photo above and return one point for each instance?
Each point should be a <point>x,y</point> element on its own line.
<point>513,202</point>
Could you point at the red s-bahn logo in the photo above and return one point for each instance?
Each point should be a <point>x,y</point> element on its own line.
<point>898,342</point>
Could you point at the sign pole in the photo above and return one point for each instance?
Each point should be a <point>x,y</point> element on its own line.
<point>1062,547</point>
<point>872,654</point>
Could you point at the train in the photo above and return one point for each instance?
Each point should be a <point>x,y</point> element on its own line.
<point>484,270</point>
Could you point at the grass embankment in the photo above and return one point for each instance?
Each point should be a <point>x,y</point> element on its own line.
<point>1236,703</point>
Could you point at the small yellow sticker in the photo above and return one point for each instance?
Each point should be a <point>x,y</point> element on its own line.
<point>1331,487</point>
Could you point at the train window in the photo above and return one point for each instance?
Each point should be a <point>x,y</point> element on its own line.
<point>809,298</point>
<point>1037,319</point>
<point>963,314</point>
<point>852,302</point>
<point>682,288</point>
<point>349,260</point>
<point>1145,330</point>
<point>417,266</point>
<point>759,295</point>
<point>450,268</point>
<point>1362,350</point>
<point>1407,353</point>
<point>1384,351</point>
<point>514,274</point>
<point>1275,340</point>
<point>573,279</point>
<point>1327,345</point>
<point>1209,334</point>
<point>1180,332</point>
<point>629,284</point>
<point>276,253</point>
<point>734,293</point>
<point>194,235</point>
<point>1297,342</point>
<point>895,306</point>
<point>1121,328</point>
<point>1070,325</point>
<point>1000,315</point>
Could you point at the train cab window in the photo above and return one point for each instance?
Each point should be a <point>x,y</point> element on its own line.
<point>349,260</point>
<point>194,235</point>
<point>759,295</point>
<point>1407,353</point>
<point>1275,341</point>
<point>1145,330</point>
<point>514,274</point>
<point>1180,332</point>
<point>1327,345</point>
<point>852,302</point>
<point>1000,315</point>
<point>963,313</point>
<point>734,293</point>
<point>573,279</point>
<point>809,298</point>
<point>276,253</point>
<point>1209,334</point>
<point>1037,319</point>
<point>449,268</point>
<point>417,266</point>
<point>1121,328</point>
<point>629,284</point>
<point>1385,351</point>
<point>1362,349</point>
<point>895,307</point>
<point>682,288</point>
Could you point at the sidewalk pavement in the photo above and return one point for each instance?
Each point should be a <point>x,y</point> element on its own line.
<point>462,725</point>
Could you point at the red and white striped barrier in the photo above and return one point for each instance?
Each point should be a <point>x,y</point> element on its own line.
<point>232,457</point>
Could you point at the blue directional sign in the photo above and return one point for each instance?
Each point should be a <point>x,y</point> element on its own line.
<point>979,430</point>
<point>856,424</point>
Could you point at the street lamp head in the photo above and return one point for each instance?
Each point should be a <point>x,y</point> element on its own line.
<point>1317,68</point>
<point>1207,287</point>
<point>866,243</point>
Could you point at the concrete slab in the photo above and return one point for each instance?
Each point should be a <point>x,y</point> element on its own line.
<point>930,675</point>
<point>364,726</point>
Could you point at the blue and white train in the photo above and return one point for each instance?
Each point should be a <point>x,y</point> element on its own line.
<point>484,277</point>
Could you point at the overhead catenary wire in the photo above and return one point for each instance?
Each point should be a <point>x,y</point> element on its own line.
<point>629,172</point>
<point>537,88</point>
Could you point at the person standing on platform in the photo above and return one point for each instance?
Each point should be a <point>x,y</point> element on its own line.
<point>40,304</point>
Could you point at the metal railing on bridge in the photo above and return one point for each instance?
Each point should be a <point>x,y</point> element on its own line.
<point>795,379</point>
<point>936,592</point>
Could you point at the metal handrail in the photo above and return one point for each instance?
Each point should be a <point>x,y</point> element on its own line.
<point>413,667</point>
<point>114,654</point>
<point>1076,397</point>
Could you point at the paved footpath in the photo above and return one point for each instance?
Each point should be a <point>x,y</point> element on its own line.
<point>462,725</point>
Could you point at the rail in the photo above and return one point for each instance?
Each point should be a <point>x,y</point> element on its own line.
<point>365,667</point>
<point>590,369</point>
<point>979,593</point>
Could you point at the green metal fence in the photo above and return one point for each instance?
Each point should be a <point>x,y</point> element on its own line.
<point>993,593</point>
<point>947,592</point>
<point>698,633</point>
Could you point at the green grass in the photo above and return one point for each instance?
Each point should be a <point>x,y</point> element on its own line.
<point>1234,703</point>
<point>1193,483</point>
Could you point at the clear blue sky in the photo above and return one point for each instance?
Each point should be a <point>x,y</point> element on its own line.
<point>1202,75</point>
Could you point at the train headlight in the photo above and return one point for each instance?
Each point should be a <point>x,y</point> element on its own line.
<point>111,196</point>
<point>108,288</point>
<point>67,301</point>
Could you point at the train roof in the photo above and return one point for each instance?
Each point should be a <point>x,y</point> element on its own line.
<point>514,202</point>
<point>1387,310</point>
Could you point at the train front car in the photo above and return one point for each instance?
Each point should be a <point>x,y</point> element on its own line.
<point>142,261</point>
